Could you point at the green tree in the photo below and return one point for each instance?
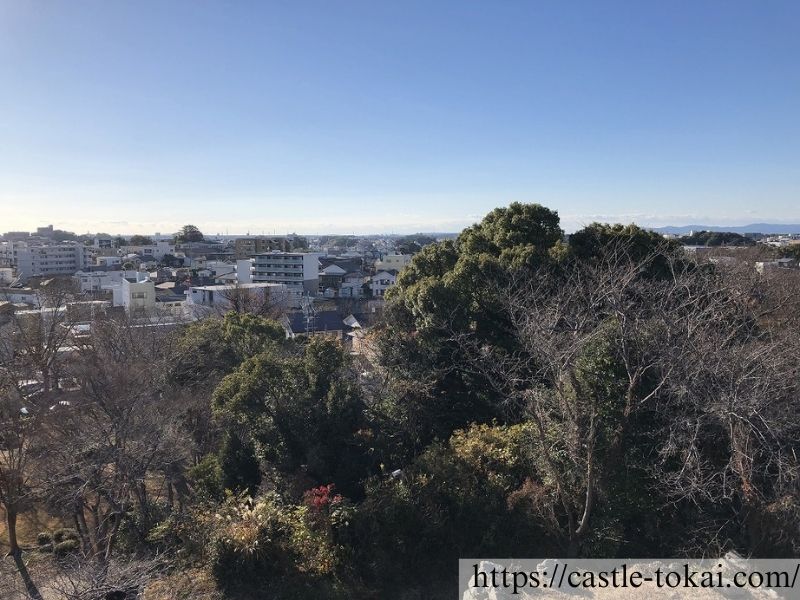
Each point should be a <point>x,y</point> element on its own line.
<point>241,472</point>
<point>411,244</point>
<point>189,233</point>
<point>451,289</point>
<point>792,251</point>
<point>141,240</point>
<point>169,260</point>
<point>301,411</point>
<point>601,240</point>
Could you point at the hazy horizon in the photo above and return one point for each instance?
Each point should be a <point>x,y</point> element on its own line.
<point>333,232</point>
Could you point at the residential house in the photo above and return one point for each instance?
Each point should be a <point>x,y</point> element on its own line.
<point>136,293</point>
<point>203,299</point>
<point>382,281</point>
<point>155,251</point>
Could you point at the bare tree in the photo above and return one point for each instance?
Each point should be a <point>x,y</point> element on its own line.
<point>122,437</point>
<point>601,342</point>
<point>260,301</point>
<point>35,345</point>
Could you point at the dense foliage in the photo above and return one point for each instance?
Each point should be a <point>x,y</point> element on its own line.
<point>528,394</point>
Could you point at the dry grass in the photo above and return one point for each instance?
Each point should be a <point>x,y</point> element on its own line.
<point>29,524</point>
<point>192,584</point>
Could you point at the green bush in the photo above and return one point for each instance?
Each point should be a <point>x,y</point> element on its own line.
<point>66,533</point>
<point>135,528</point>
<point>206,478</point>
<point>66,547</point>
<point>241,472</point>
<point>43,538</point>
<point>257,542</point>
<point>453,500</point>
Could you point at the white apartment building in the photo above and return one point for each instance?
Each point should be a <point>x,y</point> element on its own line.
<point>35,260</point>
<point>298,271</point>
<point>393,261</point>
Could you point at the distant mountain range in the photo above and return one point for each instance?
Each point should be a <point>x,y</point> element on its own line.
<point>742,229</point>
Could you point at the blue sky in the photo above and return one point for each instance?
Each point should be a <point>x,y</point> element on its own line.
<point>378,116</point>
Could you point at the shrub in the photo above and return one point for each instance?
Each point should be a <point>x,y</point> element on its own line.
<point>241,471</point>
<point>452,501</point>
<point>206,478</point>
<point>135,528</point>
<point>60,535</point>
<point>264,540</point>
<point>43,538</point>
<point>68,546</point>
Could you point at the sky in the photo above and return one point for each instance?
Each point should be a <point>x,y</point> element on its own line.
<point>377,117</point>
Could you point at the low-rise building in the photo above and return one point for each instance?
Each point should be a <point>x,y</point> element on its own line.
<point>395,262</point>
<point>382,281</point>
<point>94,282</point>
<point>773,265</point>
<point>136,293</point>
<point>108,261</point>
<point>156,251</point>
<point>221,298</point>
<point>26,296</point>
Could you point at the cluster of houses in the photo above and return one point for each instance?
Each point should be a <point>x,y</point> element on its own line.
<point>315,289</point>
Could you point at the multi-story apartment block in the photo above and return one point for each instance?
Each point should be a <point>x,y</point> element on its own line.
<point>299,271</point>
<point>34,260</point>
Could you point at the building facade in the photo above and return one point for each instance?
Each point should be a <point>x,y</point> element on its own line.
<point>137,293</point>
<point>94,282</point>
<point>298,271</point>
<point>393,261</point>
<point>47,260</point>
<point>381,282</point>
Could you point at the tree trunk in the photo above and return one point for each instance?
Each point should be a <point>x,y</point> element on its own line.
<point>15,552</point>
<point>30,586</point>
<point>13,543</point>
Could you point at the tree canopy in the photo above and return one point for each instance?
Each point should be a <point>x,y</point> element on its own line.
<point>140,240</point>
<point>189,233</point>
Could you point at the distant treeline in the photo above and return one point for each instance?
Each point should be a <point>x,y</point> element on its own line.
<point>717,238</point>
